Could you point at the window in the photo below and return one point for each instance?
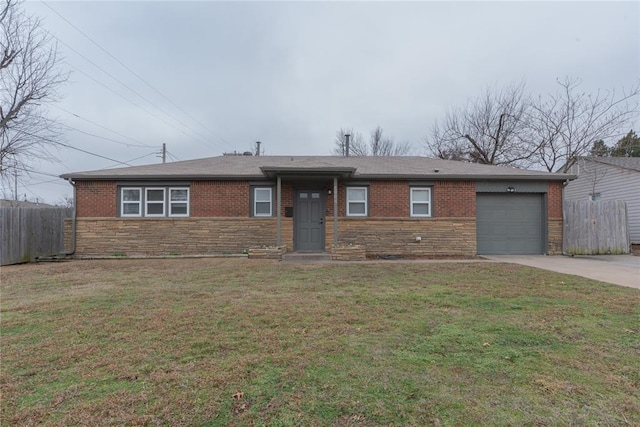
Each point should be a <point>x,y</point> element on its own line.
<point>356,201</point>
<point>131,200</point>
<point>178,202</point>
<point>157,201</point>
<point>154,204</point>
<point>421,202</point>
<point>595,197</point>
<point>262,202</point>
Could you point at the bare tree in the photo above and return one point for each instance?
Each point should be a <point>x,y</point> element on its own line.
<point>29,77</point>
<point>567,124</point>
<point>492,129</point>
<point>378,145</point>
<point>66,201</point>
<point>508,127</point>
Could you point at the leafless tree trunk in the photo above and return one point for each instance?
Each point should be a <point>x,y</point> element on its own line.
<point>379,145</point>
<point>567,124</point>
<point>508,127</point>
<point>492,129</point>
<point>29,77</point>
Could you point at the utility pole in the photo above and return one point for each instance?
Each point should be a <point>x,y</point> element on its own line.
<point>164,152</point>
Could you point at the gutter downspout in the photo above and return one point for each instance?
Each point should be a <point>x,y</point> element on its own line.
<point>335,211</point>
<point>73,221</point>
<point>279,208</point>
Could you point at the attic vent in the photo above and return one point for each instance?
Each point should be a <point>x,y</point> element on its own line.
<point>235,153</point>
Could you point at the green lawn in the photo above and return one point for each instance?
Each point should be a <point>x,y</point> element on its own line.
<point>240,342</point>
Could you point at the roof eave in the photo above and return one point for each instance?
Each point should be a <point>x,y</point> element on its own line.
<point>320,172</point>
<point>190,177</point>
<point>468,177</point>
<point>342,174</point>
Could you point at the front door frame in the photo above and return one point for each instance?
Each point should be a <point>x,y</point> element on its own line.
<point>323,222</point>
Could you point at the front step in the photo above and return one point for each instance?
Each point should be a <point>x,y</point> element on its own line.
<point>306,257</point>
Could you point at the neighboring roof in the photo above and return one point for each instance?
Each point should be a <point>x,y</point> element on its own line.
<point>632,163</point>
<point>23,204</point>
<point>257,167</point>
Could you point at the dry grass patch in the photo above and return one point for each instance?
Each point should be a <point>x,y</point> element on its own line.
<point>219,342</point>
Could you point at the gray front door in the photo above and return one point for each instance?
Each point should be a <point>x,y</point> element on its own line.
<point>308,217</point>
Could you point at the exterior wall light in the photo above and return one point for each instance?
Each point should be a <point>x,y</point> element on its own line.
<point>511,189</point>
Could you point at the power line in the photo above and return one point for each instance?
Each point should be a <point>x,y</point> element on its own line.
<point>127,99</point>
<point>38,197</point>
<point>126,87</point>
<point>136,75</point>
<point>198,137</point>
<point>173,157</point>
<point>103,127</point>
<point>51,181</point>
<point>142,157</point>
<point>106,138</point>
<point>120,95</point>
<point>93,154</point>
<point>29,171</point>
<point>62,144</point>
<point>137,158</point>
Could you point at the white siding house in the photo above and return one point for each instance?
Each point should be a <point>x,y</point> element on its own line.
<point>609,178</point>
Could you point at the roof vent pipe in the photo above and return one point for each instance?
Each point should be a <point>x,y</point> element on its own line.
<point>346,144</point>
<point>258,148</point>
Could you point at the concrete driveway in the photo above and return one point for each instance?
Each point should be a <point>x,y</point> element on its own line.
<point>621,270</point>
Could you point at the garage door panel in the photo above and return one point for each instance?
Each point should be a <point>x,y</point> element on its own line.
<point>510,223</point>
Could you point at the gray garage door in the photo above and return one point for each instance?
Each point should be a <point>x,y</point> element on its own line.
<point>510,223</point>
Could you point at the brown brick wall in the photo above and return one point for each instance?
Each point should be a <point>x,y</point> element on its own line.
<point>220,221</point>
<point>388,199</point>
<point>397,236</point>
<point>554,236</point>
<point>287,197</point>
<point>454,199</point>
<point>201,236</point>
<point>183,236</point>
<point>96,199</point>
<point>68,235</point>
<point>554,218</point>
<point>224,199</point>
<point>554,199</point>
<point>219,199</point>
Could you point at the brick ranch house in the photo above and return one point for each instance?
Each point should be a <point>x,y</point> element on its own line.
<point>409,206</point>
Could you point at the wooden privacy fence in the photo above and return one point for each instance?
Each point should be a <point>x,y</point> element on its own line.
<point>28,233</point>
<point>596,228</point>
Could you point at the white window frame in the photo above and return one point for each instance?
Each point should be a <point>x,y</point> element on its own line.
<point>129,202</point>
<point>255,201</point>
<point>146,202</point>
<point>365,201</point>
<point>172,202</point>
<point>420,202</point>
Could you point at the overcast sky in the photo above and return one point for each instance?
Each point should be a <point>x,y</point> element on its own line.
<point>213,77</point>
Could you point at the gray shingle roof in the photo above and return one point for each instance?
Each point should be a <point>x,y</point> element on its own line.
<point>248,167</point>
<point>632,163</point>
